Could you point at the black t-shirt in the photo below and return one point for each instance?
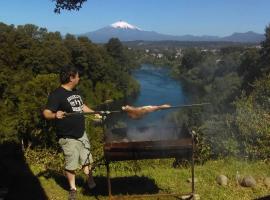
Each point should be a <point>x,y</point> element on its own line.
<point>68,101</point>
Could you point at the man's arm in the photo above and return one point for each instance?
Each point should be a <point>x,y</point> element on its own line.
<point>48,114</point>
<point>87,109</point>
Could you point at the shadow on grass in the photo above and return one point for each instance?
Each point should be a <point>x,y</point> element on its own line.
<point>263,198</point>
<point>60,178</point>
<point>16,179</point>
<point>120,185</point>
<point>136,185</point>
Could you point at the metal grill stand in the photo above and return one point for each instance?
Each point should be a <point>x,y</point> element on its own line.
<point>182,148</point>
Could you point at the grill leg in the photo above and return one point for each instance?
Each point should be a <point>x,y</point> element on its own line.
<point>192,166</point>
<point>109,180</point>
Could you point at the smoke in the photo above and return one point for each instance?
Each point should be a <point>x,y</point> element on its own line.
<point>159,132</point>
<point>152,132</point>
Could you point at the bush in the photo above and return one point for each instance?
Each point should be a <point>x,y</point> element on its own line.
<point>253,119</point>
<point>221,136</point>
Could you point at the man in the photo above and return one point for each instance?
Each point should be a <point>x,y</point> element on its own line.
<point>71,129</point>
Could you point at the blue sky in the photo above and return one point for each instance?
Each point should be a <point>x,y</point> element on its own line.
<point>175,17</point>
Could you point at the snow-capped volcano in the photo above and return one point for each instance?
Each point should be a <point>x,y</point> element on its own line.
<point>123,25</point>
<point>127,32</point>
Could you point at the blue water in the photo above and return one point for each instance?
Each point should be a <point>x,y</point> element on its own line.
<point>156,88</point>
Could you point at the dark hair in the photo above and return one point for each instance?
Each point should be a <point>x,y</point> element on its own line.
<point>66,72</point>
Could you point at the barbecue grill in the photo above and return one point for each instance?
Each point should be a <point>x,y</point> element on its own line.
<point>148,149</point>
<point>124,149</point>
<point>136,150</point>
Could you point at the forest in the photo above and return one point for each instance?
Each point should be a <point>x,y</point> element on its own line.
<point>31,58</point>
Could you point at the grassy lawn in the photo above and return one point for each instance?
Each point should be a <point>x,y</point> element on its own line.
<point>157,176</point>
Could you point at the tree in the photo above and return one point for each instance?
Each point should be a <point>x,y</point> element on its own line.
<point>32,100</point>
<point>265,52</point>
<point>192,57</point>
<point>249,68</point>
<point>68,5</point>
<point>115,49</point>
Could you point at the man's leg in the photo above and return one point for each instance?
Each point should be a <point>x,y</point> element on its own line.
<point>90,180</point>
<point>71,179</point>
<point>86,160</point>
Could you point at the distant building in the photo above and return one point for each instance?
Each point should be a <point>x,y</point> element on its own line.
<point>159,55</point>
<point>219,61</point>
<point>258,47</point>
<point>204,50</point>
<point>214,50</point>
<point>179,53</point>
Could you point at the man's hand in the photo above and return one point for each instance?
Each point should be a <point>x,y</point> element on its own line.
<point>98,116</point>
<point>60,114</point>
<point>50,115</point>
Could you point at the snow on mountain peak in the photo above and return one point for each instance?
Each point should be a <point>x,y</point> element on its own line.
<point>123,25</point>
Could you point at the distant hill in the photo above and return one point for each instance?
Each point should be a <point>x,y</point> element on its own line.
<point>127,32</point>
<point>249,36</point>
<point>169,44</point>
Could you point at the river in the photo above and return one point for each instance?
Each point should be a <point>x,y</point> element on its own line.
<point>156,87</point>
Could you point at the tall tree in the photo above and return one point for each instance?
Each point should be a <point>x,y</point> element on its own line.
<point>116,50</point>
<point>67,5</point>
<point>265,52</point>
<point>192,57</point>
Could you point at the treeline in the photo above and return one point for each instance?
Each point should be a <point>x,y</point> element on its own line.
<point>30,59</point>
<point>236,81</point>
<point>170,44</point>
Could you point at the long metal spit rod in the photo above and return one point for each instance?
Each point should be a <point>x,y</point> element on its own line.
<point>187,105</point>
<point>101,112</point>
<point>107,112</point>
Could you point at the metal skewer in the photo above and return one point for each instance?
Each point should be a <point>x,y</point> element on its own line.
<point>107,112</point>
<point>187,105</point>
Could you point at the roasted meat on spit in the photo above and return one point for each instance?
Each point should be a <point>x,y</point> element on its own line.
<point>138,112</point>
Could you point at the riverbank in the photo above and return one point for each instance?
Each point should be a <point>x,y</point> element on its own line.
<point>158,176</point>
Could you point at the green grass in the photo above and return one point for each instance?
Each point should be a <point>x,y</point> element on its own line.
<point>159,177</point>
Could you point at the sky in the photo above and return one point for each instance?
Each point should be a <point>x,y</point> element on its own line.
<point>174,17</point>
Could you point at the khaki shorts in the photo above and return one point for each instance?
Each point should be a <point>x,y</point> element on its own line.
<point>76,152</point>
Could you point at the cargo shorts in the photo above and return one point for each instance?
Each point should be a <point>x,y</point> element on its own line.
<point>76,152</point>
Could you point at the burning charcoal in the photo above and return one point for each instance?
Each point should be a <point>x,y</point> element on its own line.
<point>266,182</point>
<point>138,112</point>
<point>222,180</point>
<point>248,181</point>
